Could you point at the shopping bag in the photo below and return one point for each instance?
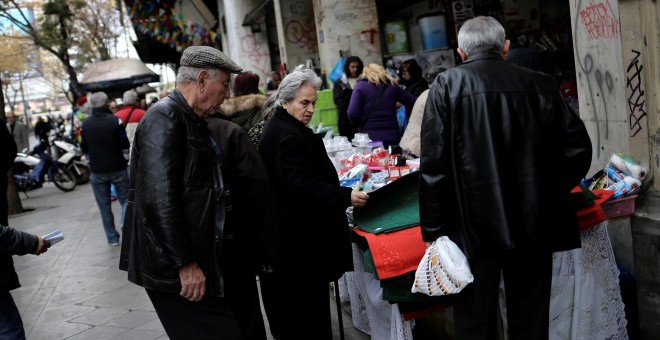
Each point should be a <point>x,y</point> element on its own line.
<point>401,118</point>
<point>337,70</point>
<point>443,270</point>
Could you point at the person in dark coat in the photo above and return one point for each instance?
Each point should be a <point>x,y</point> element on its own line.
<point>249,220</point>
<point>373,105</point>
<point>311,204</point>
<point>341,95</point>
<point>411,78</point>
<point>12,242</point>
<point>530,58</point>
<point>493,135</point>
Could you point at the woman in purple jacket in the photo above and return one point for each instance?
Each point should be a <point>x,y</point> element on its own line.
<point>374,103</point>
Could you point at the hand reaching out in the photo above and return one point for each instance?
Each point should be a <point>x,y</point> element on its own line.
<point>193,281</point>
<point>42,247</point>
<point>359,198</point>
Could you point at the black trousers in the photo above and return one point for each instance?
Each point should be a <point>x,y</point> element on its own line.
<point>210,318</point>
<point>527,278</point>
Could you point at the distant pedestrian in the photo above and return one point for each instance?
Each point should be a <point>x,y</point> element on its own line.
<point>493,134</point>
<point>104,142</point>
<point>176,228</point>
<point>130,114</point>
<point>12,242</point>
<point>274,82</point>
<point>42,130</point>
<point>113,106</point>
<point>342,90</point>
<point>19,131</point>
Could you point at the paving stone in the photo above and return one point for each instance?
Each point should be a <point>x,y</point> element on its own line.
<point>100,316</point>
<point>133,319</point>
<point>98,333</point>
<point>139,334</point>
<point>58,330</point>
<point>66,313</point>
<point>154,325</point>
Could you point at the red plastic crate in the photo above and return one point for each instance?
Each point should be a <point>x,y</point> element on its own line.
<point>619,207</point>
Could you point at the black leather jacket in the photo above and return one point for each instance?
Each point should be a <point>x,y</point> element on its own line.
<point>176,211</point>
<point>501,151</point>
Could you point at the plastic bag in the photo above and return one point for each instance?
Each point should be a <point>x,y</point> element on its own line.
<point>443,270</point>
<point>337,70</point>
<point>401,118</point>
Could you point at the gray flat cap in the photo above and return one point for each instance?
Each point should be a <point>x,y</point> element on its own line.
<point>208,57</point>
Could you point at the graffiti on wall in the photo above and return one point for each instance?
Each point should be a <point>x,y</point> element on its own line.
<point>600,21</point>
<point>300,33</point>
<point>259,60</point>
<point>636,100</point>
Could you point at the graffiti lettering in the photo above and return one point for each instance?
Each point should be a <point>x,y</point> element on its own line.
<point>600,21</point>
<point>258,60</point>
<point>372,33</point>
<point>302,34</point>
<point>346,17</point>
<point>636,99</point>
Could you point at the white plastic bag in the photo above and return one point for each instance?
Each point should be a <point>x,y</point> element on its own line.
<point>443,270</point>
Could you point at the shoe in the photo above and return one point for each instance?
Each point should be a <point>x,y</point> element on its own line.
<point>114,244</point>
<point>113,198</point>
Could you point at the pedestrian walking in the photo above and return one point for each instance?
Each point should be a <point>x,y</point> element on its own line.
<point>342,90</point>
<point>493,137</point>
<point>104,143</point>
<point>19,131</point>
<point>176,223</point>
<point>130,114</point>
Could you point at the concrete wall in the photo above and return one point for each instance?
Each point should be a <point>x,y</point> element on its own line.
<point>249,50</point>
<point>601,77</point>
<point>349,26</point>
<point>296,32</point>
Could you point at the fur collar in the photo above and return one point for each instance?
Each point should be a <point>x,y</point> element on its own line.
<point>233,105</point>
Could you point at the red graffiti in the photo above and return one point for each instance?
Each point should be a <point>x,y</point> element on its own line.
<point>372,33</point>
<point>302,34</point>
<point>600,20</point>
<point>259,60</point>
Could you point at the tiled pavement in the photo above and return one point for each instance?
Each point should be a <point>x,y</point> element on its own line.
<point>75,291</point>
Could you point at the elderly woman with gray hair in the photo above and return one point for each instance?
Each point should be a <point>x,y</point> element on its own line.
<point>314,232</point>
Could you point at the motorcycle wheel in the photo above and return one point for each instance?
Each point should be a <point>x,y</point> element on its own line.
<point>83,178</point>
<point>64,179</point>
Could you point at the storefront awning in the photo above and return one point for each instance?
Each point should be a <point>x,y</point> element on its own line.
<point>258,12</point>
<point>116,75</point>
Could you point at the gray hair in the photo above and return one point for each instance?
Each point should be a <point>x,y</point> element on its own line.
<point>187,74</point>
<point>99,99</point>
<point>481,34</point>
<point>290,85</point>
<point>130,97</point>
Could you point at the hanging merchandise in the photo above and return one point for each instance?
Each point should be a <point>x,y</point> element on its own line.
<point>337,70</point>
<point>396,37</point>
<point>434,30</point>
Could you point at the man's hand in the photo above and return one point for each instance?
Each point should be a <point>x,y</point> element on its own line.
<point>359,198</point>
<point>193,282</point>
<point>42,247</point>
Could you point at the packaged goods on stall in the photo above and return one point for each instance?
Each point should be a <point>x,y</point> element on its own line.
<point>628,166</point>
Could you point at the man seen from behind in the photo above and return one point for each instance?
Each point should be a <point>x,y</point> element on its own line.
<point>104,143</point>
<point>493,137</point>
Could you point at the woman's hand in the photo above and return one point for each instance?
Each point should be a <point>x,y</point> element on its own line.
<point>359,198</point>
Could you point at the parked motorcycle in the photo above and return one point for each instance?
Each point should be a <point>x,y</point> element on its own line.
<point>71,156</point>
<point>30,171</point>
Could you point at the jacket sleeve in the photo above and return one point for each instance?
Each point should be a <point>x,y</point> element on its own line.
<point>16,242</point>
<point>436,174</point>
<point>123,137</point>
<point>161,149</point>
<point>577,147</point>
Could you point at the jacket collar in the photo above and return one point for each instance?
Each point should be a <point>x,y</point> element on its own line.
<point>283,114</point>
<point>101,111</point>
<point>178,98</point>
<point>485,55</point>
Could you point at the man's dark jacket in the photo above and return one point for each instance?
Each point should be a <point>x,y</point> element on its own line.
<point>176,210</point>
<point>104,140</point>
<point>501,151</point>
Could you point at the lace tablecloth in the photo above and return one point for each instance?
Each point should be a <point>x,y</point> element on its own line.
<point>586,298</point>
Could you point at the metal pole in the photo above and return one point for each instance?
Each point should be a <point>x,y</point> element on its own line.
<point>339,311</point>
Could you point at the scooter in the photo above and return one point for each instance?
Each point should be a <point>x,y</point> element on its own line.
<point>30,171</point>
<point>71,156</point>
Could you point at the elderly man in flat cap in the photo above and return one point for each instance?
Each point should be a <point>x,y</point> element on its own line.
<point>174,228</point>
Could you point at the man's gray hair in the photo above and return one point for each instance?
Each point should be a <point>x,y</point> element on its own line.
<point>187,74</point>
<point>290,85</point>
<point>481,34</point>
<point>99,99</point>
<point>130,97</point>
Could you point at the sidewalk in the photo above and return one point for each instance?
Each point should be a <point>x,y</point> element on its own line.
<point>75,291</point>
